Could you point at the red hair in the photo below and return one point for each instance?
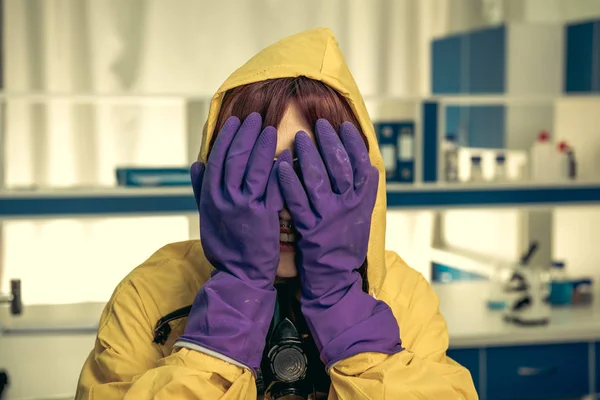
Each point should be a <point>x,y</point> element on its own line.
<point>270,98</point>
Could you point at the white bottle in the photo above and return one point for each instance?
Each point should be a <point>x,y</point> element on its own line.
<point>476,169</point>
<point>543,158</point>
<point>500,171</point>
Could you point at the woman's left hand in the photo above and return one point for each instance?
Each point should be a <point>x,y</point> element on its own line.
<point>331,205</point>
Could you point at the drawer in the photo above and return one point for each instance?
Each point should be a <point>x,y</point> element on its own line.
<point>538,372</point>
<point>468,358</point>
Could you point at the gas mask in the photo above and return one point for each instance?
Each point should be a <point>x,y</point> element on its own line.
<point>290,368</point>
<point>286,362</point>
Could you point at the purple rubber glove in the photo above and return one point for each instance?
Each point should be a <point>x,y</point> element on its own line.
<point>239,205</point>
<point>332,213</point>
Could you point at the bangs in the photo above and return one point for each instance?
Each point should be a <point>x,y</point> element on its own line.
<point>270,98</point>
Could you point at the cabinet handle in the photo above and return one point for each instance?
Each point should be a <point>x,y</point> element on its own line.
<point>530,371</point>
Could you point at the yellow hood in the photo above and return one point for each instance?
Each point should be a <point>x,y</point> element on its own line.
<point>316,55</point>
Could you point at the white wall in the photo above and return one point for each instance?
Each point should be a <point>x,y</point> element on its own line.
<point>128,46</point>
<point>577,230</point>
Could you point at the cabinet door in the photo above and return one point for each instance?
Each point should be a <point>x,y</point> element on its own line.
<point>596,60</point>
<point>477,126</point>
<point>447,71</point>
<point>597,365</point>
<point>579,76</point>
<point>554,371</point>
<point>468,358</point>
<point>486,126</point>
<point>487,61</point>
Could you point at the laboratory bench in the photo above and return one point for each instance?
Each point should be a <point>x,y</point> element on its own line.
<point>48,345</point>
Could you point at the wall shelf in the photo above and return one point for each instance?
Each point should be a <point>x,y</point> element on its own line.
<point>19,204</point>
<point>525,194</point>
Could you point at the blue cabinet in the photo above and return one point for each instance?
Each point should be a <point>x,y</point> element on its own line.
<point>582,67</point>
<point>487,61</point>
<point>553,371</point>
<point>477,126</point>
<point>468,358</point>
<point>486,127</point>
<point>448,68</point>
<point>514,59</point>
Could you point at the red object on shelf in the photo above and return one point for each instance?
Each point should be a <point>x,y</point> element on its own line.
<point>543,136</point>
<point>563,147</point>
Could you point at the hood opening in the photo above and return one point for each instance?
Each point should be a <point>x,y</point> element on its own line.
<point>309,67</point>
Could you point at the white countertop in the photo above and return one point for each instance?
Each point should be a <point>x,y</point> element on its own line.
<point>60,337</point>
<point>463,304</point>
<point>471,324</point>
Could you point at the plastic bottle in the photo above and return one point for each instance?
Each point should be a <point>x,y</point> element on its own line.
<point>568,165</point>
<point>476,169</point>
<point>450,158</point>
<point>561,289</point>
<point>500,170</point>
<point>543,157</point>
<point>496,298</point>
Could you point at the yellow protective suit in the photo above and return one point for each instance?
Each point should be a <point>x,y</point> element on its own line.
<point>125,362</point>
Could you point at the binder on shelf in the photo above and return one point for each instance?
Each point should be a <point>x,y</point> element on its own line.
<point>153,177</point>
<point>397,145</point>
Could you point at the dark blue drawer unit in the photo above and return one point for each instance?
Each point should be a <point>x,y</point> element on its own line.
<point>477,126</point>
<point>487,61</point>
<point>468,358</point>
<point>581,57</point>
<point>597,367</point>
<point>558,371</point>
<point>448,67</point>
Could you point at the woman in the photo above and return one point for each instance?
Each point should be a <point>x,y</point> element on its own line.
<point>357,323</point>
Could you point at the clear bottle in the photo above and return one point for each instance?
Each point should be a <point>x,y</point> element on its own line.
<point>476,169</point>
<point>450,158</point>
<point>500,170</point>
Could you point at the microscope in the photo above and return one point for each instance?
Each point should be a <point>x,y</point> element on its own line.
<point>529,293</point>
<point>14,298</point>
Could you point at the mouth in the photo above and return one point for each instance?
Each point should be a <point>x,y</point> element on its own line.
<point>287,236</point>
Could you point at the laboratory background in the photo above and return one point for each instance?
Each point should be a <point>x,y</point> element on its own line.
<point>488,118</point>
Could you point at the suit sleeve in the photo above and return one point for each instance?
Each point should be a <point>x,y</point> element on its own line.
<point>421,371</point>
<point>126,364</point>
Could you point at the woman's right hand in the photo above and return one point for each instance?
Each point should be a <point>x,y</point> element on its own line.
<point>240,201</point>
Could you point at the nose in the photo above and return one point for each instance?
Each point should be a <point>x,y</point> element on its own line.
<point>285,214</point>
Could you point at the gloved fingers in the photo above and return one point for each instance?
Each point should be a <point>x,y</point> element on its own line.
<point>370,186</point>
<point>239,154</point>
<point>197,174</point>
<point>357,152</point>
<point>274,196</point>
<point>216,159</point>
<point>293,193</point>
<point>335,156</point>
<point>260,164</point>
<point>313,171</point>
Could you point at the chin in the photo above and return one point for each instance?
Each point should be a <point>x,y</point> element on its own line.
<point>287,266</point>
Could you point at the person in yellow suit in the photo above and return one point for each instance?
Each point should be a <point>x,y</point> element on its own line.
<point>290,292</point>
